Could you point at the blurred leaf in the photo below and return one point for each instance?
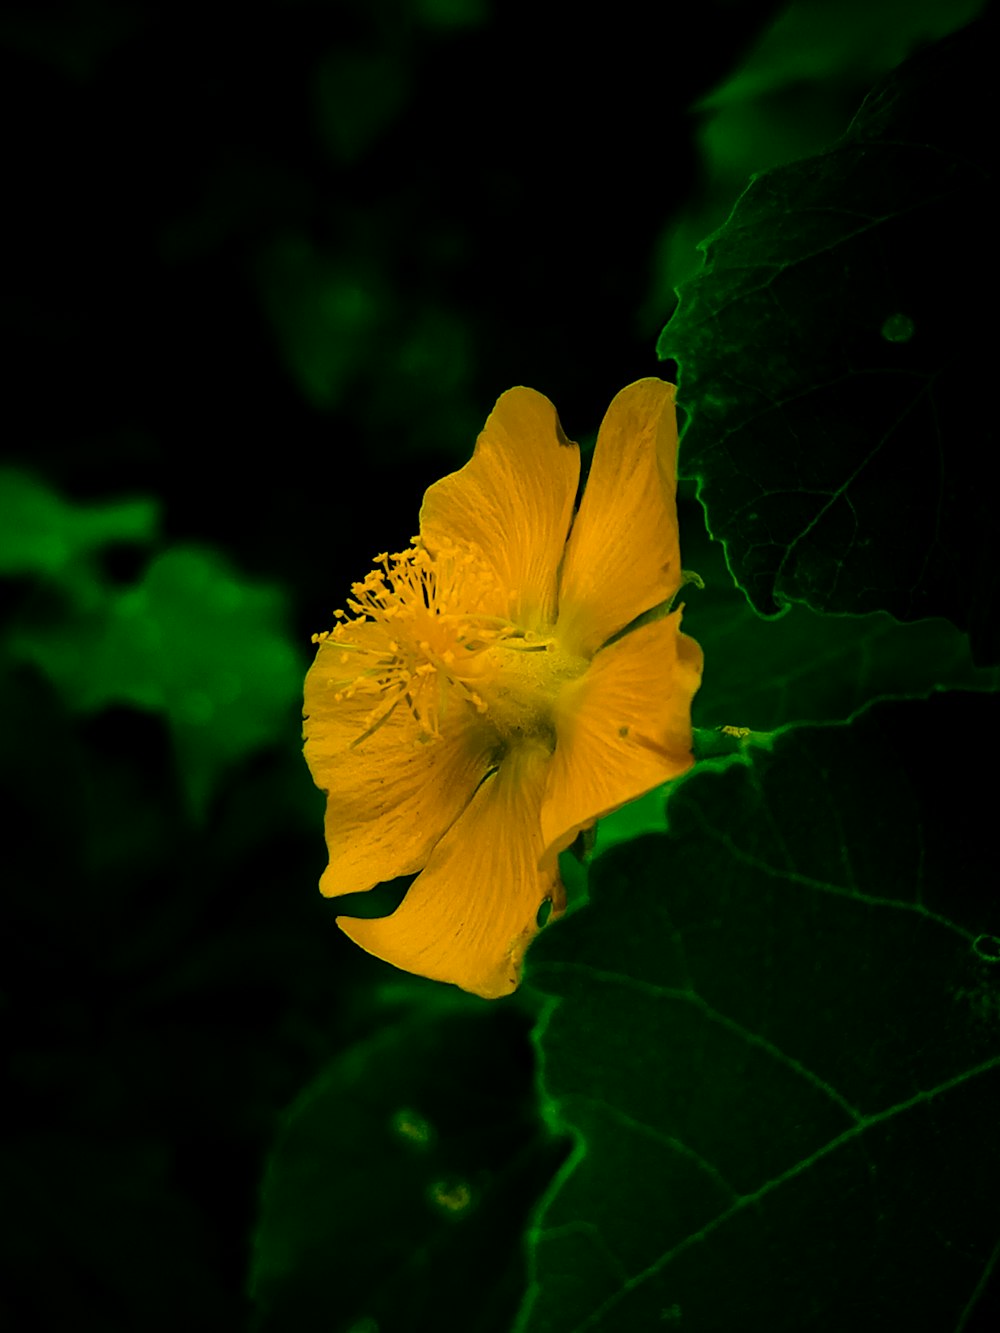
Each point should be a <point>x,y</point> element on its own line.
<point>775,1032</point>
<point>788,97</point>
<point>325,314</point>
<point>43,534</point>
<point>348,334</point>
<point>75,39</point>
<point>192,639</point>
<point>832,370</point>
<point>451,15</point>
<point>398,1188</point>
<point>823,39</point>
<point>358,95</point>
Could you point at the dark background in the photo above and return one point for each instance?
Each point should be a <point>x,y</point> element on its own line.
<point>272,269</point>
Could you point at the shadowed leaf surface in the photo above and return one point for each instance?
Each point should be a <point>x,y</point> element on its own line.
<point>802,666</point>
<point>806,1097</point>
<point>397,1192</point>
<point>849,476</point>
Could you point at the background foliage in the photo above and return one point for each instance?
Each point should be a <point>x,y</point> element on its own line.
<point>267,275</point>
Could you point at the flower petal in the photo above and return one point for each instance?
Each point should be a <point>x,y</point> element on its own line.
<point>333,723</point>
<point>513,499</point>
<point>391,798</point>
<point>471,915</point>
<point>623,554</point>
<point>621,729</point>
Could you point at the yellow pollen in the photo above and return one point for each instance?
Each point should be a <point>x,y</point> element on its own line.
<point>452,652</point>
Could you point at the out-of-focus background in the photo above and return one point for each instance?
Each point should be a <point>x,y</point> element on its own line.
<point>266,271</point>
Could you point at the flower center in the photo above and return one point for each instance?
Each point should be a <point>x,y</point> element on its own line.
<point>519,680</point>
<point>425,636</point>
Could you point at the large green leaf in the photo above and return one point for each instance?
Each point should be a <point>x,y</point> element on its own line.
<point>775,1032</point>
<point>833,364</point>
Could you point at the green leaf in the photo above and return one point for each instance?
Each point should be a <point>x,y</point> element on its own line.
<point>775,1033</point>
<point>326,315</point>
<point>806,667</point>
<point>192,639</point>
<point>358,94</point>
<point>43,534</point>
<point>812,42</point>
<point>834,367</point>
<point>399,1186</point>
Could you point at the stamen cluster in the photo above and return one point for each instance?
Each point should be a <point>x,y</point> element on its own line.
<point>420,633</point>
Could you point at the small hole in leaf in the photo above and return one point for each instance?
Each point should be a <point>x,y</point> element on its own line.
<point>410,1124</point>
<point>987,947</point>
<point>543,913</point>
<point>898,329</point>
<point>451,1196</point>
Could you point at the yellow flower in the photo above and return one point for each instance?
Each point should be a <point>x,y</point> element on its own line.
<point>477,707</point>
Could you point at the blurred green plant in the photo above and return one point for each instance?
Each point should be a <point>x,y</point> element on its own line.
<point>343,333</point>
<point>42,535</point>
<point>190,638</point>
<point>789,98</point>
